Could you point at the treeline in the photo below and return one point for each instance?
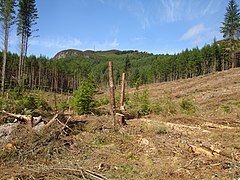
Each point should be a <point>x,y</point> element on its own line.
<point>66,74</point>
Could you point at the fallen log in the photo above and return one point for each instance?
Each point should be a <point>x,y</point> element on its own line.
<point>33,122</point>
<point>28,119</point>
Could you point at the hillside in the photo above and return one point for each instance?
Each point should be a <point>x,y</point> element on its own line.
<point>210,92</point>
<point>173,143</point>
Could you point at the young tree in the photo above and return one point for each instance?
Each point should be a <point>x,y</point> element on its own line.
<point>7,19</point>
<point>27,16</point>
<point>83,100</point>
<point>231,27</point>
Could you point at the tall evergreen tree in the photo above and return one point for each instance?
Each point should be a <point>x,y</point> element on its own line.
<point>27,16</point>
<point>7,19</point>
<point>231,27</point>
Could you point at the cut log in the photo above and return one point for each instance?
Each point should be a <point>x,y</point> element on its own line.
<point>199,150</point>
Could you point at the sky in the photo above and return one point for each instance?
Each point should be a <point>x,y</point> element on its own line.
<point>154,26</point>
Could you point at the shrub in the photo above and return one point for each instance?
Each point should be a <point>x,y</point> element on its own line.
<point>154,127</point>
<point>140,104</point>
<point>144,103</point>
<point>63,105</point>
<point>29,102</point>
<point>83,101</point>
<point>43,105</point>
<point>157,108</point>
<point>164,105</point>
<point>23,104</point>
<point>226,108</point>
<point>101,140</point>
<point>187,106</point>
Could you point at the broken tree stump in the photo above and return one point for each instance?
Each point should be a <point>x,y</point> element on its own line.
<point>121,108</point>
<point>112,94</point>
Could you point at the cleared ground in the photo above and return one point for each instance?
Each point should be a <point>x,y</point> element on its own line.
<point>180,145</point>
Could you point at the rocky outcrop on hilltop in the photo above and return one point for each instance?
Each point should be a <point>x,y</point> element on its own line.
<point>68,52</point>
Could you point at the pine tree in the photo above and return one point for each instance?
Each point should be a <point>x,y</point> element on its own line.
<point>7,19</point>
<point>27,16</point>
<point>231,27</point>
<point>83,100</point>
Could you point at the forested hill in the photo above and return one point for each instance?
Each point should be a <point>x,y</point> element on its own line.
<point>142,67</point>
<point>90,53</point>
<point>68,68</point>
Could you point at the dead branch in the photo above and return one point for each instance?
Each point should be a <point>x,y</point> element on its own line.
<point>81,170</point>
<point>64,125</point>
<point>219,152</point>
<point>51,121</point>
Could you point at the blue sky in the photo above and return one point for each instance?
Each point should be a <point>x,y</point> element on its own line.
<point>155,26</point>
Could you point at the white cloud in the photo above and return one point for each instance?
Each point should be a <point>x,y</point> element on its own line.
<point>199,34</point>
<point>176,10</point>
<point>57,43</point>
<point>159,11</point>
<point>194,32</point>
<point>212,7</point>
<point>209,7</point>
<point>172,10</point>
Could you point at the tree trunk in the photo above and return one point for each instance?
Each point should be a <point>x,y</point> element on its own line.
<point>5,49</point>
<point>20,65</point>
<point>233,57</point>
<point>223,63</point>
<point>24,57</point>
<point>214,64</point>
<point>39,76</point>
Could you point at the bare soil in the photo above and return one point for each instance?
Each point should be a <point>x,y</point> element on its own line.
<point>202,145</point>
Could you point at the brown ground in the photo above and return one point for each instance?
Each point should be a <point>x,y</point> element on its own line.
<point>202,145</point>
